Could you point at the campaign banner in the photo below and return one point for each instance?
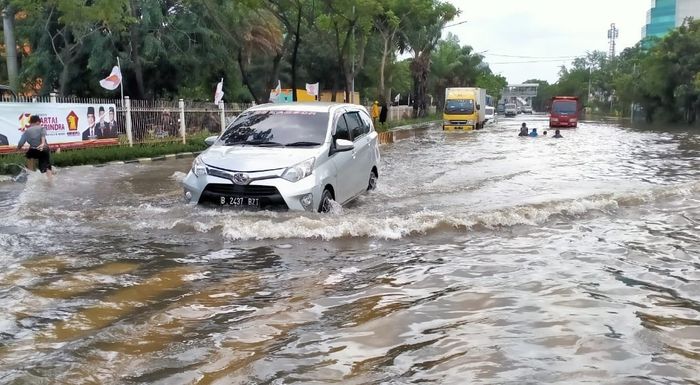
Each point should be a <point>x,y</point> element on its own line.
<point>64,122</point>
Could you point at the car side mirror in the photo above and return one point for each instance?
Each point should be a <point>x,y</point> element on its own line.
<point>342,145</point>
<point>478,107</point>
<point>211,140</point>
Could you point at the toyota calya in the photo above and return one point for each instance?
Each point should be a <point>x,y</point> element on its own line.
<point>293,156</point>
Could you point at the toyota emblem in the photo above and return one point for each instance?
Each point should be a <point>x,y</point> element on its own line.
<point>240,178</point>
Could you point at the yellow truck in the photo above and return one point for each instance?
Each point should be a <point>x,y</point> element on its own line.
<point>465,108</point>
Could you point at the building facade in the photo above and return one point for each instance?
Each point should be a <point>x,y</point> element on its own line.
<point>665,15</point>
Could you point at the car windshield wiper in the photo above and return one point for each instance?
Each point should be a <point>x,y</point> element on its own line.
<point>302,144</point>
<point>255,143</point>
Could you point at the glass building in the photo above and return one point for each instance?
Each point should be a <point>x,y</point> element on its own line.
<point>665,15</point>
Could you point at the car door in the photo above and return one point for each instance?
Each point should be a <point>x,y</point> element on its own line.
<point>344,163</point>
<point>363,154</point>
<point>372,139</point>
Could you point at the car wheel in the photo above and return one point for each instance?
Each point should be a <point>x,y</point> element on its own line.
<point>373,178</point>
<point>325,205</point>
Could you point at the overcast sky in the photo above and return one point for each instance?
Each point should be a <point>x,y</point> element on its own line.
<point>544,31</point>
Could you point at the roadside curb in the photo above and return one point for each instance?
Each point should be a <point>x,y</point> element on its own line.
<point>159,158</point>
<point>405,132</point>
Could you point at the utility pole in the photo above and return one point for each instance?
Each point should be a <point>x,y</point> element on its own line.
<point>8,23</point>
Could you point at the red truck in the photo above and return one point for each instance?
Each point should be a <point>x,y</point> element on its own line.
<point>564,111</point>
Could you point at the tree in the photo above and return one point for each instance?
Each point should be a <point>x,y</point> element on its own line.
<point>349,23</point>
<point>420,36</point>
<point>65,27</point>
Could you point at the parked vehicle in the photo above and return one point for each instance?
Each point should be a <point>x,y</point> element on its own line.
<point>464,108</point>
<point>490,114</point>
<point>564,111</point>
<point>293,156</point>
<point>511,109</point>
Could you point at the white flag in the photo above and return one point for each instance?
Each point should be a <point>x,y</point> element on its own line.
<point>112,81</point>
<point>219,93</point>
<point>312,89</point>
<point>397,98</point>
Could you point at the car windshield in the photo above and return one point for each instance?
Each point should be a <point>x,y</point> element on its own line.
<point>462,106</point>
<point>510,106</point>
<point>564,107</point>
<point>277,128</point>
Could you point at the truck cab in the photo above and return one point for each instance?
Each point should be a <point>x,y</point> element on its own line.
<point>511,109</point>
<point>464,109</point>
<point>564,111</point>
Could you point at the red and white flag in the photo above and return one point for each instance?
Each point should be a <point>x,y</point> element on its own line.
<point>112,81</point>
<point>219,93</point>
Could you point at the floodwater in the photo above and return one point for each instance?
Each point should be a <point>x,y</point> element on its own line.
<point>482,258</point>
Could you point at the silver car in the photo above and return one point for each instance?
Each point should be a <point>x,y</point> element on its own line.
<point>295,156</point>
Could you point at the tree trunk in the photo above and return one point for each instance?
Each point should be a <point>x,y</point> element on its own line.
<point>382,66</point>
<point>64,80</point>
<point>334,89</point>
<point>419,69</point>
<point>297,41</point>
<point>135,53</point>
<point>244,77</point>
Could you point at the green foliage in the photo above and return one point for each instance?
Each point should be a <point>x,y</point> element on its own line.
<point>181,48</point>
<point>661,76</point>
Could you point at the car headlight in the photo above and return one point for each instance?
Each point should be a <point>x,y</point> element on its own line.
<point>198,167</point>
<point>299,171</point>
<point>470,122</point>
<point>446,122</point>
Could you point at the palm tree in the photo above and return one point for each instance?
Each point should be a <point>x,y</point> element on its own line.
<point>420,36</point>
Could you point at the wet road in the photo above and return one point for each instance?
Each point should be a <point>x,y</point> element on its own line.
<point>482,258</point>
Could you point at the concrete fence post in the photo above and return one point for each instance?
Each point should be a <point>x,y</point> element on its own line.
<point>222,115</point>
<point>52,97</point>
<point>183,128</point>
<point>129,134</point>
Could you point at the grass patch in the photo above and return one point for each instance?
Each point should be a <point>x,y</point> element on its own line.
<point>12,163</point>
<point>383,127</point>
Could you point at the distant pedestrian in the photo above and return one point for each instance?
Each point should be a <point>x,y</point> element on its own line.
<point>533,133</point>
<point>375,112</point>
<point>523,130</point>
<point>383,113</point>
<point>35,136</point>
<point>557,134</point>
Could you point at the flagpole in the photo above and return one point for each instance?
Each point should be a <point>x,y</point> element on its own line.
<point>121,82</point>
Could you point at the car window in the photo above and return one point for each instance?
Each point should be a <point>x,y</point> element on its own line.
<point>278,127</point>
<point>366,122</point>
<point>341,129</point>
<point>354,124</point>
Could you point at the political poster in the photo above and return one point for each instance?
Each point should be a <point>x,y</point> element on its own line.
<point>64,122</point>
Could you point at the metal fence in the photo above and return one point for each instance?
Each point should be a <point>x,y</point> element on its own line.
<point>147,121</point>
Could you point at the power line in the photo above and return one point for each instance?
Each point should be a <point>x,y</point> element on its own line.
<point>536,57</point>
<point>530,61</point>
<point>452,25</point>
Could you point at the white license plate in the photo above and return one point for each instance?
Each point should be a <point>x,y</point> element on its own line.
<point>239,201</point>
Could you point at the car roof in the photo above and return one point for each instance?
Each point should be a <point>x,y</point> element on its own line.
<point>306,106</point>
